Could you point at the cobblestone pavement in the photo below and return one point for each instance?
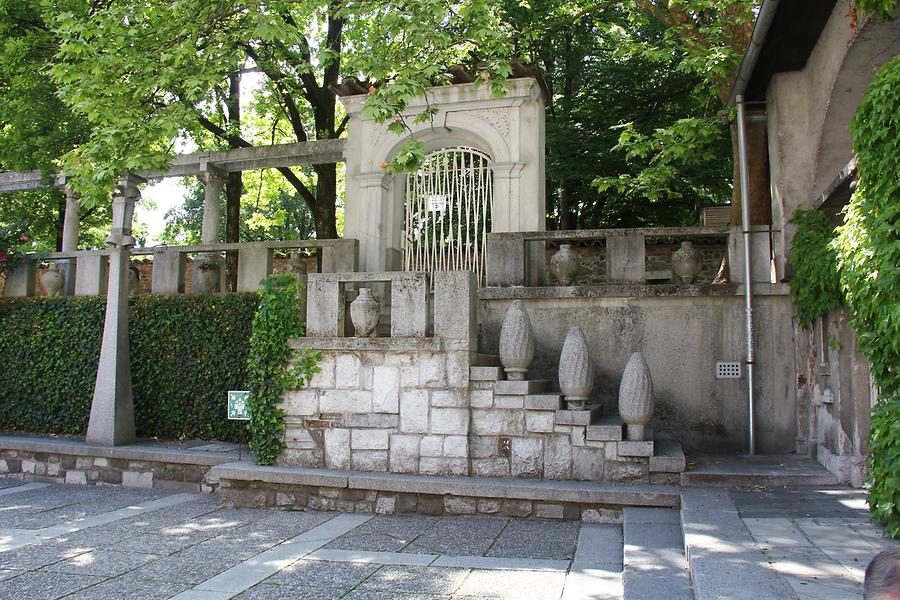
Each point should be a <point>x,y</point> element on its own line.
<point>91,542</point>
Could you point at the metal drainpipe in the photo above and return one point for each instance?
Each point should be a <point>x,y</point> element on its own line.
<point>748,280</point>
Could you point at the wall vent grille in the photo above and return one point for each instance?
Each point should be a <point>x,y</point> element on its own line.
<point>728,370</point>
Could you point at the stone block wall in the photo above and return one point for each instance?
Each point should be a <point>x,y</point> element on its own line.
<point>62,467</point>
<point>431,412</point>
<point>403,411</point>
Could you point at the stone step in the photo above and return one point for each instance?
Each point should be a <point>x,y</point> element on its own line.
<point>486,360</point>
<point>724,559</point>
<point>527,387</point>
<point>606,429</point>
<point>668,456</point>
<point>485,373</point>
<point>742,471</point>
<point>546,401</point>
<point>579,418</point>
<point>654,564</point>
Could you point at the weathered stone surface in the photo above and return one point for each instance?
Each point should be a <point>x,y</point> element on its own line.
<point>345,401</point>
<point>481,398</point>
<point>409,305</point>
<point>498,422</point>
<point>371,420</point>
<point>456,446</point>
<point>488,506</point>
<point>404,454</point>
<point>337,448</point>
<point>531,386</point>
<point>543,401</point>
<point>414,411</point>
<point>578,417</point>
<point>443,466</point>
<point>460,505</point>
<point>548,510</point>
<point>448,398</point>
<point>483,446</point>
<point>385,504</point>
<point>623,472</point>
<point>526,459</point>
<point>516,341</point>
<point>557,457</point>
<point>450,421</point>
<point>490,467</point>
<point>576,371</point>
<point>433,370</point>
<point>301,402</point>
<point>669,457</point>
<point>386,389</point>
<point>432,446</point>
<point>370,460</point>
<point>539,421</point>
<point>132,479</point>
<point>603,516</point>
<point>458,370</point>
<point>80,478</point>
<point>587,463</point>
<point>636,449</point>
<point>636,396</point>
<point>485,373</point>
<point>324,379</point>
<point>606,429</point>
<point>516,508</point>
<point>369,439</point>
<point>509,401</point>
<point>347,372</point>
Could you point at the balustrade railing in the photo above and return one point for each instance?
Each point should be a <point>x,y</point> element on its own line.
<point>89,267</point>
<point>641,255</point>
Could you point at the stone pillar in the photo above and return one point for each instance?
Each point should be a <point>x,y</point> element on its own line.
<point>112,410</point>
<point>625,258</point>
<point>20,280</point>
<point>213,181</point>
<point>71,226</point>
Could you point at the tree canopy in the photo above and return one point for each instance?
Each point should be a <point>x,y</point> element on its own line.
<point>636,132</point>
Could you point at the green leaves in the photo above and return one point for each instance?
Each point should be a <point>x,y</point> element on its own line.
<point>277,320</point>
<point>868,257</point>
<point>816,286</point>
<point>186,352</point>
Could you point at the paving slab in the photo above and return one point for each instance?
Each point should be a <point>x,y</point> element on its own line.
<point>458,536</point>
<point>654,557</point>
<point>335,577</point>
<point>108,563</point>
<point>39,585</point>
<point>554,540</point>
<point>420,580</point>
<point>514,585</point>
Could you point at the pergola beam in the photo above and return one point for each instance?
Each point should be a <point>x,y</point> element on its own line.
<point>315,152</point>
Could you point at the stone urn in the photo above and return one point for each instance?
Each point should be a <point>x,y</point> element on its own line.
<point>516,342</point>
<point>565,264</point>
<point>52,280</point>
<point>134,278</point>
<point>636,396</point>
<point>206,275</point>
<point>576,371</point>
<point>364,312</point>
<point>686,263</point>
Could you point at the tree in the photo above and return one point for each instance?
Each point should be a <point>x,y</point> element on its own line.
<point>144,71</point>
<point>36,127</point>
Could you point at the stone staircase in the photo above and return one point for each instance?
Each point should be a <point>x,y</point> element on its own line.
<point>597,444</point>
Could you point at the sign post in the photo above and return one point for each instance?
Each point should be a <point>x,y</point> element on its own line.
<point>238,410</point>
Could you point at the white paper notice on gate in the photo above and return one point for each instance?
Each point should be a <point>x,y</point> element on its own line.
<point>436,202</point>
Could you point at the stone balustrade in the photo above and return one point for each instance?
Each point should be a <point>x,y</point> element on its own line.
<point>521,258</point>
<point>168,272</point>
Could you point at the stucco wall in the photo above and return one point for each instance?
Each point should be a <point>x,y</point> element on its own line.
<point>681,338</point>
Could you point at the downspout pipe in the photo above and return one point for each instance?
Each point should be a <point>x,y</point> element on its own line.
<point>748,279</point>
<point>748,63</point>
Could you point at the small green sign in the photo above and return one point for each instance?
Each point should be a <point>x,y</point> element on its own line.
<point>238,410</point>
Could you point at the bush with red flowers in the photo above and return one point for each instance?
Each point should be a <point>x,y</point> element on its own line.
<point>13,238</point>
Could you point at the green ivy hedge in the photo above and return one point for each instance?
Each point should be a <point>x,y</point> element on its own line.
<point>868,251</point>
<point>186,352</point>
<point>816,286</point>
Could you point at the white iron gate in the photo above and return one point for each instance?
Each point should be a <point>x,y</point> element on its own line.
<point>448,212</point>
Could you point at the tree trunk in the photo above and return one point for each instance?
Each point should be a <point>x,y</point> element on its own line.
<point>60,216</point>
<point>326,199</point>
<point>233,186</point>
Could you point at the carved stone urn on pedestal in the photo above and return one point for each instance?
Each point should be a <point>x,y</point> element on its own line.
<point>364,312</point>
<point>516,342</point>
<point>565,264</point>
<point>636,396</point>
<point>207,274</point>
<point>52,280</point>
<point>686,263</point>
<point>576,372</point>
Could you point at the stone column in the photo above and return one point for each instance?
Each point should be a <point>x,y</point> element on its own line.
<point>209,263</point>
<point>112,410</point>
<point>71,230</point>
